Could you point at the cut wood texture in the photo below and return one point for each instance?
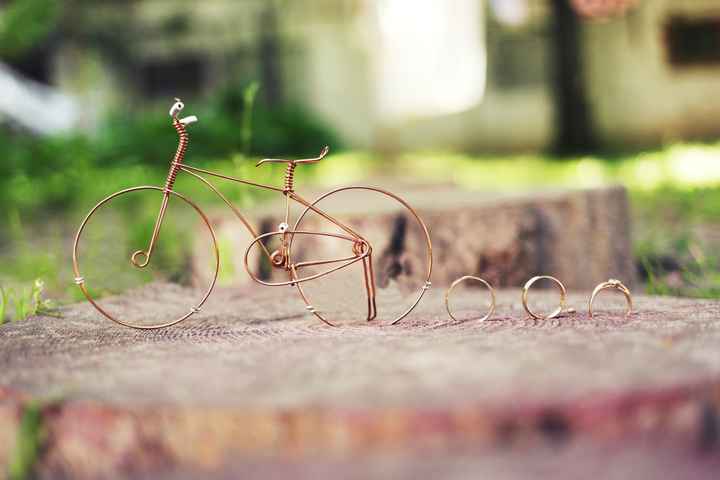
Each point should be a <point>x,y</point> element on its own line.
<point>580,236</point>
<point>254,387</point>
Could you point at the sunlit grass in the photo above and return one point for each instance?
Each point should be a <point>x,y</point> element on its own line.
<point>685,165</point>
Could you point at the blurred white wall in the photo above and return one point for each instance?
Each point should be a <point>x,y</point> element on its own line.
<point>36,107</point>
<point>404,74</point>
<point>471,75</point>
<point>639,96</point>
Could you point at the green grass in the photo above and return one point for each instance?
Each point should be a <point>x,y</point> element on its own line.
<point>683,166</point>
<point>675,240</point>
<point>25,302</point>
<point>41,174</point>
<point>681,203</point>
<point>4,303</point>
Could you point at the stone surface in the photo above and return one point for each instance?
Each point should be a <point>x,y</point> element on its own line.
<point>255,387</point>
<point>581,236</point>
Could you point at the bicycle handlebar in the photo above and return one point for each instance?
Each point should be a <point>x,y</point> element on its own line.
<point>322,154</point>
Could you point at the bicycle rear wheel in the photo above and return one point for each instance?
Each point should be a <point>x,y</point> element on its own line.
<point>398,264</point>
<point>165,291</point>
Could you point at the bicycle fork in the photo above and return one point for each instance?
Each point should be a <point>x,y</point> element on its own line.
<point>141,258</point>
<point>146,254</point>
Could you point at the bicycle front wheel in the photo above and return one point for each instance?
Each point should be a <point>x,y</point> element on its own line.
<point>134,289</point>
<point>388,282</point>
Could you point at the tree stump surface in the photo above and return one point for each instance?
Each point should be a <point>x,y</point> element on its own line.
<point>254,386</point>
<point>582,236</point>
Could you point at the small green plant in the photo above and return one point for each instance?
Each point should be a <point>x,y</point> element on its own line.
<point>4,301</point>
<point>249,95</point>
<point>30,438</point>
<point>26,302</point>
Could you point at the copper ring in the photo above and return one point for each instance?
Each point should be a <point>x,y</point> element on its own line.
<point>557,311</point>
<point>478,279</point>
<point>612,284</point>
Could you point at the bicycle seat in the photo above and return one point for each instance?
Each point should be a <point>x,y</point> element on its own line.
<point>323,152</point>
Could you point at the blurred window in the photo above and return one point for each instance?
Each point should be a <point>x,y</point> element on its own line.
<point>176,76</point>
<point>510,12</point>
<point>693,41</point>
<point>518,43</point>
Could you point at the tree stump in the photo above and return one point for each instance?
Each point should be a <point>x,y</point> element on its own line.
<point>253,386</point>
<point>580,236</point>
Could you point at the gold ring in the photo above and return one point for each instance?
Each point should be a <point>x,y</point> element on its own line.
<point>470,277</point>
<point>557,311</point>
<point>611,284</point>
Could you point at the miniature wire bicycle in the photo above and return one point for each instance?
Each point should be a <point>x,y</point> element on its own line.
<point>359,250</point>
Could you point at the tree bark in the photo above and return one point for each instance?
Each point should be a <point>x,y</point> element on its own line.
<point>581,236</point>
<point>573,116</point>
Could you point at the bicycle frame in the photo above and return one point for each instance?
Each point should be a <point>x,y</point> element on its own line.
<point>361,248</point>
<point>289,195</point>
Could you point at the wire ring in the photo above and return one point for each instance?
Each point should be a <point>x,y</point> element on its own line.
<point>612,284</point>
<point>80,280</point>
<point>470,277</point>
<point>554,313</point>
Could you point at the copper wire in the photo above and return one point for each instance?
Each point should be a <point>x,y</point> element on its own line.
<point>179,154</point>
<point>491,307</point>
<point>360,247</point>
<point>612,284</point>
<point>289,184</point>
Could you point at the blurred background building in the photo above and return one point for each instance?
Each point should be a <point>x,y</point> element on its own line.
<point>472,75</point>
<point>478,95</point>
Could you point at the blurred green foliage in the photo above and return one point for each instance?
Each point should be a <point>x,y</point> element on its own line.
<point>41,173</point>
<point>25,23</point>
<point>4,303</point>
<point>48,183</point>
<point>675,242</point>
<point>249,96</point>
<point>680,204</point>
<point>30,438</point>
